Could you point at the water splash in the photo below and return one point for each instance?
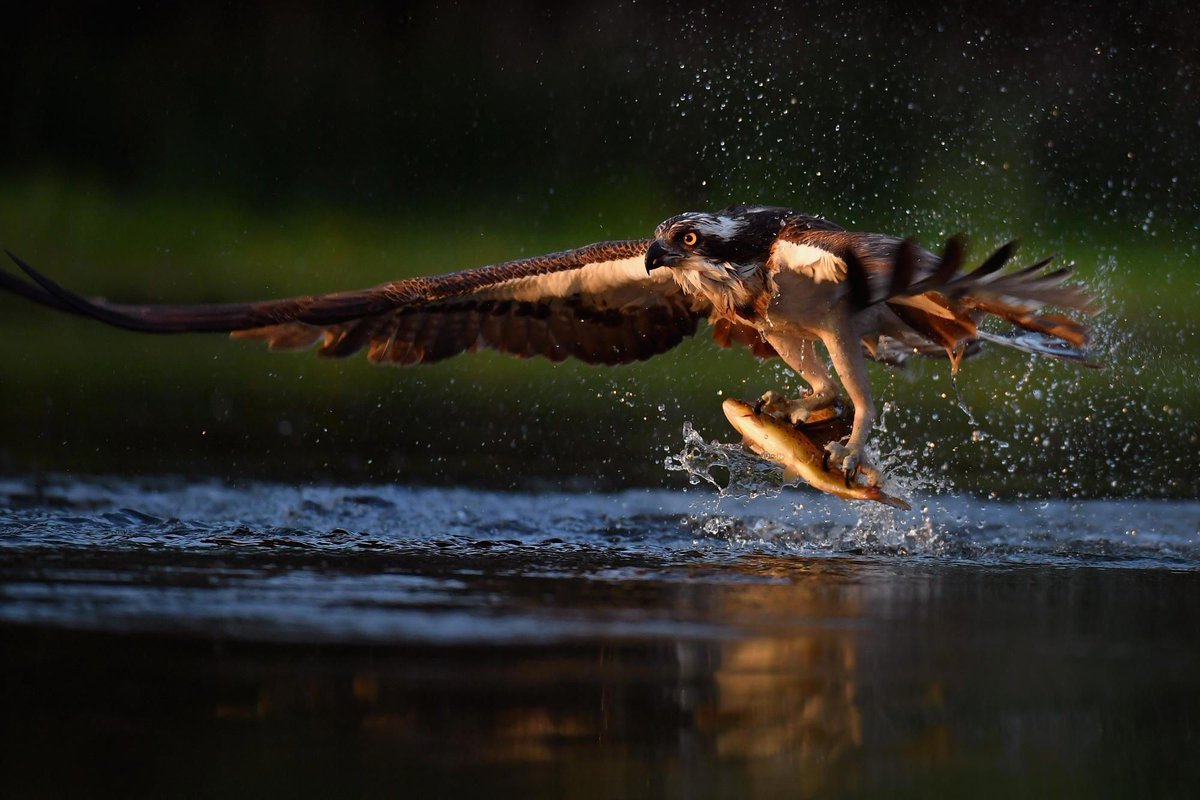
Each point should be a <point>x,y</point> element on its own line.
<point>785,130</point>
<point>735,472</point>
<point>814,523</point>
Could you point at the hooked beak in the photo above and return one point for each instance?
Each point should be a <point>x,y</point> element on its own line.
<point>659,255</point>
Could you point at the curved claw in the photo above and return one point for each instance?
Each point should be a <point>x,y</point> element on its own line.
<point>798,411</point>
<point>836,453</point>
<point>872,475</point>
<point>772,403</point>
<point>852,462</point>
<point>850,466</point>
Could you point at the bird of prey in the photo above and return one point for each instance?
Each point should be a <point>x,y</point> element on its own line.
<point>771,279</point>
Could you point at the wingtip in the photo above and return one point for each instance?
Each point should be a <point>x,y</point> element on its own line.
<point>24,265</point>
<point>953,254</point>
<point>956,247</point>
<point>904,266</point>
<point>857,280</point>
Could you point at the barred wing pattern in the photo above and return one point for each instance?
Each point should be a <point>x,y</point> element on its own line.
<point>929,303</point>
<point>594,303</point>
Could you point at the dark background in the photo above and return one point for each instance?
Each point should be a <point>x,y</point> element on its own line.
<point>220,152</point>
<point>397,106</point>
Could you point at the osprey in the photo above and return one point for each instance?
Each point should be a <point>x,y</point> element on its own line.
<point>771,279</point>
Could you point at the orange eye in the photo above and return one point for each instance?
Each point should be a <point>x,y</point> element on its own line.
<point>690,238</point>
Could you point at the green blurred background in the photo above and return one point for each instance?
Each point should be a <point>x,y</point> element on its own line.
<point>219,152</point>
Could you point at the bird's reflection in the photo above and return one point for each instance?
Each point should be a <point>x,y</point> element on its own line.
<point>782,676</point>
<point>787,686</point>
<point>791,688</point>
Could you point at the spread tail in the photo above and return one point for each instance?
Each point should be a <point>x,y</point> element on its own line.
<point>939,305</point>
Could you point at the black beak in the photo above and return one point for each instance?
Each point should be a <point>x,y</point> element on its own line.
<point>659,255</point>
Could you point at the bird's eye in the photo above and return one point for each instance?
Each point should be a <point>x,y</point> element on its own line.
<point>690,238</point>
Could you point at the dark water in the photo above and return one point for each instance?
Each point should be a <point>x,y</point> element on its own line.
<point>195,639</point>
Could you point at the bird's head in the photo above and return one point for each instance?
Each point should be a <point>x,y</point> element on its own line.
<point>735,237</point>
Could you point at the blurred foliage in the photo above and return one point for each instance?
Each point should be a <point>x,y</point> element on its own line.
<point>215,152</point>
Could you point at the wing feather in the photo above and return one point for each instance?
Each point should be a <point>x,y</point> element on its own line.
<point>935,299</point>
<point>596,303</point>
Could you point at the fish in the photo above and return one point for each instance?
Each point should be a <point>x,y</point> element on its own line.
<point>788,446</point>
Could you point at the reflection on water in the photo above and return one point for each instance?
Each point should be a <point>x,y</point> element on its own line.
<point>782,691</point>
<point>204,640</point>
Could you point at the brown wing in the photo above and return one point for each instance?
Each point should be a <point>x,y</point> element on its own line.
<point>933,303</point>
<point>884,266</point>
<point>595,303</point>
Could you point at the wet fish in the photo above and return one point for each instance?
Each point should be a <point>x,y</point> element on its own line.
<point>799,456</point>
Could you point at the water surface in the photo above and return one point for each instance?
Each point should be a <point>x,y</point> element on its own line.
<point>198,638</point>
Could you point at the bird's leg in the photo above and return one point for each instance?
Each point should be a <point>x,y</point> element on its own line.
<point>851,367</point>
<point>801,355</point>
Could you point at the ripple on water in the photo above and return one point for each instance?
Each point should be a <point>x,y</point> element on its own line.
<point>392,562</point>
<point>207,515</point>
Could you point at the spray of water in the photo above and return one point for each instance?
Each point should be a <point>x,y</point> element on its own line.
<point>983,152</point>
<point>734,471</point>
<point>815,523</point>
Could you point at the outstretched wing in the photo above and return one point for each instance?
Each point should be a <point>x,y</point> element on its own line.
<point>928,302</point>
<point>595,303</point>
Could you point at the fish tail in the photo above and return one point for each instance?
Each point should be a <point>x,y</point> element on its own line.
<point>877,494</point>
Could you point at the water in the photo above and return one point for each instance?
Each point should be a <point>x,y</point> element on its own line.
<point>180,637</point>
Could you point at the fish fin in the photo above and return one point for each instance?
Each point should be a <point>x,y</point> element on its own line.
<point>790,475</point>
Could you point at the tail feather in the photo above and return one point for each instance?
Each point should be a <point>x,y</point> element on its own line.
<point>944,305</point>
<point>1042,345</point>
<point>1034,267</point>
<point>1059,326</point>
<point>1027,292</point>
<point>1029,287</point>
<point>952,257</point>
<point>904,266</point>
<point>993,262</point>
